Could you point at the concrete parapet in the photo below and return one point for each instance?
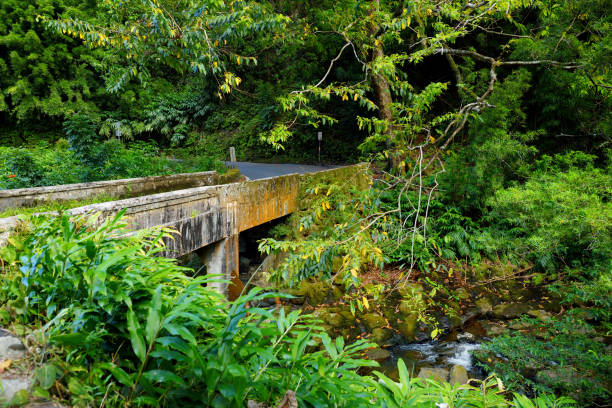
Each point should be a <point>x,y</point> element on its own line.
<point>30,197</point>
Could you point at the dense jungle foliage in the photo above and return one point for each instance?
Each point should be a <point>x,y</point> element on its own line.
<point>124,327</point>
<point>487,128</point>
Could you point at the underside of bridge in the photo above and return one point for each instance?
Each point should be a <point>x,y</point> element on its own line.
<point>233,258</point>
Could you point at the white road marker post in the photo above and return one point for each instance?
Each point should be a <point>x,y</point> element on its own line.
<point>320,137</point>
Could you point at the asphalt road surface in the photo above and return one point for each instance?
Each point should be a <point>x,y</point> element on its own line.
<point>256,171</point>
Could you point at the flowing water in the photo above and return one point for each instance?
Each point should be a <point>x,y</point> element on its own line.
<point>443,354</point>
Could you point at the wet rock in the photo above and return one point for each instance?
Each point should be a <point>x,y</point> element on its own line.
<point>465,336</point>
<point>450,322</point>
<point>510,310</point>
<point>520,325</point>
<point>437,374</point>
<point>380,335</point>
<point>315,292</point>
<point>335,320</point>
<point>422,333</point>
<point>348,317</point>
<point>483,306</point>
<point>539,314</point>
<point>408,327</point>
<point>410,289</point>
<point>11,348</point>
<point>413,355</point>
<point>492,329</point>
<point>373,321</point>
<point>378,354</point>
<point>458,375</point>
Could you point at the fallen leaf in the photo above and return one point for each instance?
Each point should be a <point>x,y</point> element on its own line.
<point>4,365</point>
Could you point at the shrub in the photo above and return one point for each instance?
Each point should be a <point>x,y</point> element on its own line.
<point>558,355</point>
<point>121,325</point>
<point>124,325</point>
<point>44,165</point>
<point>558,217</point>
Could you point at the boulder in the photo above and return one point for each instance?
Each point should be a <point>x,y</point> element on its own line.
<point>373,321</point>
<point>378,354</point>
<point>315,292</point>
<point>422,333</point>
<point>451,321</point>
<point>483,306</point>
<point>520,325</point>
<point>510,310</point>
<point>465,337</point>
<point>335,320</point>
<point>408,327</point>
<point>348,317</point>
<point>11,348</point>
<point>410,288</point>
<point>405,308</point>
<point>458,375</point>
<point>337,292</point>
<point>539,314</point>
<point>14,385</point>
<point>380,335</point>
<point>492,329</point>
<point>437,374</point>
<point>273,261</point>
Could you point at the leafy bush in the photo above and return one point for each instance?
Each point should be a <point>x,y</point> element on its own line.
<point>558,355</point>
<point>488,393</point>
<point>85,160</point>
<point>81,133</point>
<point>38,166</point>
<point>124,325</point>
<point>558,217</point>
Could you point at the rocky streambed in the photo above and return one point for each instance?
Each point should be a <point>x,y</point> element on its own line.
<point>464,316</point>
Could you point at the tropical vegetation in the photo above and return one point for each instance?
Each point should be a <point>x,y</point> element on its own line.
<point>486,127</point>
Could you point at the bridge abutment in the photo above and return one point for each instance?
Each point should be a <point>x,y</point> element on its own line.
<point>222,258</point>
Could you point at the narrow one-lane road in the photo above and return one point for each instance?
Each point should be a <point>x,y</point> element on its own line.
<point>256,171</point>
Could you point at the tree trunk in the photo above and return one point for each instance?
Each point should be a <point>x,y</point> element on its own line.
<point>382,91</point>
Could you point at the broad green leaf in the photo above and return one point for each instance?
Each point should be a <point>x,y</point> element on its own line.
<point>119,374</point>
<point>159,376</point>
<point>154,317</point>
<point>72,339</point>
<point>138,344</point>
<point>46,375</point>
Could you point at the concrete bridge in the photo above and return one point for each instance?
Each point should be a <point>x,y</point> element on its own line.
<point>209,219</point>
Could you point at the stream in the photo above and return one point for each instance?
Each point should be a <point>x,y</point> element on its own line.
<point>437,354</point>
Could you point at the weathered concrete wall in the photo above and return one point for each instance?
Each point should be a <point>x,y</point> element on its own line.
<point>29,197</point>
<point>205,215</point>
<point>222,259</point>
